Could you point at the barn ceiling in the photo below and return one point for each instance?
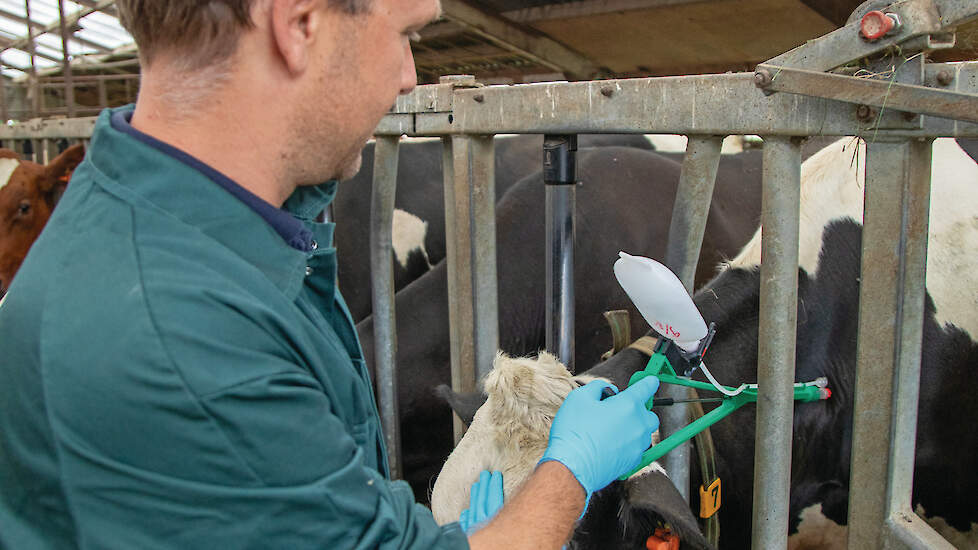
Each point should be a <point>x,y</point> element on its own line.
<point>499,40</point>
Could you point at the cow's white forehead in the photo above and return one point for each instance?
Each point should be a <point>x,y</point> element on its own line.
<point>7,167</point>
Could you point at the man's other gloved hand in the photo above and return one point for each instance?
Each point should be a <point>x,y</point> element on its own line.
<point>601,440</point>
<point>485,500</point>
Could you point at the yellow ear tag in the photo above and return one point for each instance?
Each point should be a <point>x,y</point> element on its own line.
<point>710,499</point>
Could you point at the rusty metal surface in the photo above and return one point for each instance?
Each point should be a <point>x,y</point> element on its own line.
<point>485,287</point>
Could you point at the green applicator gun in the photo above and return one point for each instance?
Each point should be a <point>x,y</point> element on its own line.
<point>663,301</point>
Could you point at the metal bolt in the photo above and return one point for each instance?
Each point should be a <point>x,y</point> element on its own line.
<point>479,98</point>
<point>607,91</point>
<point>864,112</point>
<point>762,78</point>
<point>944,77</point>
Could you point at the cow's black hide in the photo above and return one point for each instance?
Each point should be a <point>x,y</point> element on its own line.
<point>623,203</point>
<point>947,447</point>
<point>625,513</point>
<point>420,191</point>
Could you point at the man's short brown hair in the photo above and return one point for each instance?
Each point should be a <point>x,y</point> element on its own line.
<point>201,32</point>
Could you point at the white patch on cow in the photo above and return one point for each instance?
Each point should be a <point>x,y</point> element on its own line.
<point>509,433</point>
<point>674,143</point>
<point>817,531</point>
<point>832,183</point>
<point>408,234</point>
<point>7,167</point>
<point>959,539</point>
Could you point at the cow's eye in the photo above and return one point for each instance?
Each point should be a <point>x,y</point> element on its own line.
<point>24,208</point>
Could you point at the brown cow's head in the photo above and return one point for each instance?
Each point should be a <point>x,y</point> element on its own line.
<point>28,193</point>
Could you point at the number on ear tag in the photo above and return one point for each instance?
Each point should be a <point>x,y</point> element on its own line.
<point>710,499</point>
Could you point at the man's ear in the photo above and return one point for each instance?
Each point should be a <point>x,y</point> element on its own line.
<point>59,171</point>
<point>294,24</point>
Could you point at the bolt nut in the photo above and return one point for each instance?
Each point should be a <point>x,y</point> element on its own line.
<point>607,91</point>
<point>944,77</point>
<point>864,112</point>
<point>762,78</point>
<point>479,98</point>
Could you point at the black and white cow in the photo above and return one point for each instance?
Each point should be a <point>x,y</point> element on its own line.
<point>947,447</point>
<point>419,215</point>
<point>624,202</point>
<point>510,434</point>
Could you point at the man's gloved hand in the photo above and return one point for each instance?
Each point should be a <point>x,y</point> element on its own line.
<point>601,440</point>
<point>485,500</point>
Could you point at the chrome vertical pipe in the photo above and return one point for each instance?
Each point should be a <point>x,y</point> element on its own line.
<point>686,229</point>
<point>382,275</point>
<point>560,175</point>
<point>776,340</point>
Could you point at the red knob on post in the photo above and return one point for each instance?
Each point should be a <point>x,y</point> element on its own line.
<point>876,24</point>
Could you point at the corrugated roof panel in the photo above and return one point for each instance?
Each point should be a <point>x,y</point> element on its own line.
<point>101,31</point>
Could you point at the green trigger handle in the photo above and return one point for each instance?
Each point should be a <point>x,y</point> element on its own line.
<point>659,366</point>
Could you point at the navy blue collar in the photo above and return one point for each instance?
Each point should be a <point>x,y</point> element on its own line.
<point>295,233</point>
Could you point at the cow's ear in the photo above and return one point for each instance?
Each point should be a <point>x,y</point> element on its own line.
<point>59,171</point>
<point>652,494</point>
<point>464,404</point>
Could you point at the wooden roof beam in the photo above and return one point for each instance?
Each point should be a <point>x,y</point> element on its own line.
<point>513,36</point>
<point>584,8</point>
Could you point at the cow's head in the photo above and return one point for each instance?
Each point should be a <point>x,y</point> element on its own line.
<point>509,433</point>
<point>28,194</point>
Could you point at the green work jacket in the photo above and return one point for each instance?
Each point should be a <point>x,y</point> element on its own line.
<point>174,375</point>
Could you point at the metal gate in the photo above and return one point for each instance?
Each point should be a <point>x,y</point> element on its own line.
<point>869,79</point>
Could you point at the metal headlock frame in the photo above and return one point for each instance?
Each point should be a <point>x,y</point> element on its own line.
<point>900,107</point>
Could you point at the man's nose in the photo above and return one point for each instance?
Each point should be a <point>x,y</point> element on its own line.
<point>409,74</point>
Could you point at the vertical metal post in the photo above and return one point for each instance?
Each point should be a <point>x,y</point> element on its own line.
<point>382,274</point>
<point>776,340</point>
<point>68,75</point>
<point>484,278</point>
<point>35,88</point>
<point>891,313</point>
<point>686,229</point>
<point>4,109</point>
<point>103,95</point>
<point>470,238</point>
<point>560,178</point>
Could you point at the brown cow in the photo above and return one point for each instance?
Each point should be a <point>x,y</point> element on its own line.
<point>28,194</point>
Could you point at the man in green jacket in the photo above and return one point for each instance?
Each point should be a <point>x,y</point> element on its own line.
<point>179,369</point>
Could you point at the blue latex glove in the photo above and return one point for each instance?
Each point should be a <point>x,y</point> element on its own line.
<point>485,499</point>
<point>601,440</point>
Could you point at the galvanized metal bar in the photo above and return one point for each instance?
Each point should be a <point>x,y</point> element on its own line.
<point>683,105</point>
<point>484,286</point>
<point>35,91</point>
<point>878,93</point>
<point>68,75</point>
<point>776,340</point>
<point>891,313</point>
<point>458,248</point>
<point>382,279</point>
<point>560,175</point>
<point>686,229</point>
<point>917,18</point>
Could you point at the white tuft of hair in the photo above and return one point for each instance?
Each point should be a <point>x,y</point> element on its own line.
<point>509,433</point>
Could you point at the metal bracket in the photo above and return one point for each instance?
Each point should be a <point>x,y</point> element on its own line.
<point>918,18</point>
<point>877,93</point>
